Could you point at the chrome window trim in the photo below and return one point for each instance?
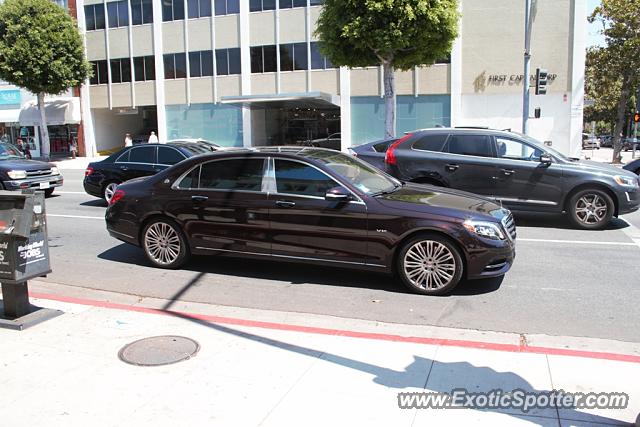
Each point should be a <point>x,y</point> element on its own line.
<point>176,183</point>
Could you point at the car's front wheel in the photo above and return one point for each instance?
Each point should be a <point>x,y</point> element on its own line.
<point>164,244</point>
<point>430,264</point>
<point>591,209</point>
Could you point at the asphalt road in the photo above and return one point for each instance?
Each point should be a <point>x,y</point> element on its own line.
<point>564,282</point>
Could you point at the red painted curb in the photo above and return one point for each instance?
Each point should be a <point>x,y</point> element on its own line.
<point>512,348</point>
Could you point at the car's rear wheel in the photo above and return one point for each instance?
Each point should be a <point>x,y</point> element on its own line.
<point>164,244</point>
<point>48,192</point>
<point>109,189</point>
<point>430,264</point>
<point>591,209</point>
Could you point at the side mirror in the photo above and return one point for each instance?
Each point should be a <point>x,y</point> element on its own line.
<point>545,159</point>
<point>337,194</point>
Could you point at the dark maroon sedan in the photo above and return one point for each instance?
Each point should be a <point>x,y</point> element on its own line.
<point>316,206</point>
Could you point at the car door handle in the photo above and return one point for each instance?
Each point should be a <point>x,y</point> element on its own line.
<point>507,172</point>
<point>452,167</point>
<point>124,168</point>
<point>199,199</point>
<point>285,204</point>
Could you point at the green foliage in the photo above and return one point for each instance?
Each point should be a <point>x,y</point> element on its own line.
<point>602,86</point>
<point>403,33</point>
<point>40,47</point>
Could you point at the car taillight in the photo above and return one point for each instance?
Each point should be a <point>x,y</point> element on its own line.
<point>390,156</point>
<point>88,172</point>
<point>117,195</point>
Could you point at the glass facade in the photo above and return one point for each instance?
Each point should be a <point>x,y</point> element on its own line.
<point>221,124</point>
<point>368,113</point>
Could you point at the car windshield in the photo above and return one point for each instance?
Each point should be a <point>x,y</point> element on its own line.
<point>542,146</point>
<point>8,151</point>
<point>362,176</point>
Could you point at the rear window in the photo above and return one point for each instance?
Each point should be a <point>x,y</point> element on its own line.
<point>430,142</point>
<point>232,175</point>
<point>470,145</point>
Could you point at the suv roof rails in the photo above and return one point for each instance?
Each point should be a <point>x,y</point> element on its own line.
<point>472,127</point>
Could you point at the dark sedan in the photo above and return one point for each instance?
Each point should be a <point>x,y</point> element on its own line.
<point>102,178</point>
<point>317,206</point>
<point>20,173</point>
<point>633,166</point>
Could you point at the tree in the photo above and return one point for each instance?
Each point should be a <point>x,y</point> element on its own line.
<point>620,59</point>
<point>41,50</point>
<point>397,34</point>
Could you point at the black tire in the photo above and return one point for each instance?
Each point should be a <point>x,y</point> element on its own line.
<point>587,209</point>
<point>108,189</point>
<point>440,269</point>
<point>48,192</point>
<point>157,248</point>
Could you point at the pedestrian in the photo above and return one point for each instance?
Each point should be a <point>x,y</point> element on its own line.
<point>128,142</point>
<point>153,138</point>
<point>73,148</point>
<point>23,146</point>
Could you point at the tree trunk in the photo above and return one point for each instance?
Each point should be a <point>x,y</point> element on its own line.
<point>622,106</point>
<point>44,131</point>
<point>389,100</point>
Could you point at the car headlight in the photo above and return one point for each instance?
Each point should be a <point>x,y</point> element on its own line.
<point>17,174</point>
<point>488,230</point>
<point>55,171</point>
<point>626,181</point>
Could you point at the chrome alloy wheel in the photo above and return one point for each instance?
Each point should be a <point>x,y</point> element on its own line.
<point>591,209</point>
<point>109,190</point>
<point>429,265</point>
<point>162,243</point>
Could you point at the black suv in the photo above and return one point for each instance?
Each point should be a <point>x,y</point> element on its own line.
<point>102,178</point>
<point>516,169</point>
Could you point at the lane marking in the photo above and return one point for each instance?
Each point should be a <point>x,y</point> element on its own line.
<point>511,348</point>
<point>580,242</point>
<point>632,232</point>
<point>71,192</point>
<point>75,216</point>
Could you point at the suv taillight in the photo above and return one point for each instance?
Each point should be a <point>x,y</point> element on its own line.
<point>390,156</point>
<point>117,195</point>
<point>88,171</point>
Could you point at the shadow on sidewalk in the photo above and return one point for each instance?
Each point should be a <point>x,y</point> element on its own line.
<point>410,377</point>
<point>559,221</point>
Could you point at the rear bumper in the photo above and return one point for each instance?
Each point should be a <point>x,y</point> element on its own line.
<point>92,189</point>
<point>40,183</point>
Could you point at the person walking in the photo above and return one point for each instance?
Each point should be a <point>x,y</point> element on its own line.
<point>73,148</point>
<point>128,142</point>
<point>153,138</point>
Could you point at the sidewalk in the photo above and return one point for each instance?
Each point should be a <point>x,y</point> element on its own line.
<point>604,155</point>
<point>285,369</point>
<point>80,163</point>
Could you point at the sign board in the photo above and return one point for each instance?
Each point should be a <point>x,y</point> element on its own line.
<point>10,97</point>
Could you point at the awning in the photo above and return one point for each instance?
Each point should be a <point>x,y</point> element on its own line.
<point>61,111</point>
<point>10,115</point>
<point>285,100</point>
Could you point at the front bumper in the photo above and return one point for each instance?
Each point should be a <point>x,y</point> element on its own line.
<point>491,261</point>
<point>39,183</point>
<point>628,201</point>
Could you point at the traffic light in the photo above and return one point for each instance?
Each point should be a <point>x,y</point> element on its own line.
<point>542,76</point>
<point>636,117</point>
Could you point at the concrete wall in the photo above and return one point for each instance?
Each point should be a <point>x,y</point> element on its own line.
<point>110,128</point>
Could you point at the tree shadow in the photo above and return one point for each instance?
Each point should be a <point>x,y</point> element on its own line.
<point>558,221</point>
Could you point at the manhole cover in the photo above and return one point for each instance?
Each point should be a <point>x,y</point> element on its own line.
<point>156,351</point>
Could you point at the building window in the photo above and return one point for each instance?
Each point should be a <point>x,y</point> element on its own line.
<point>260,5</point>
<point>118,14</point>
<point>94,17</point>
<point>198,8</point>
<point>201,63</point>
<point>172,10</point>
<point>293,56</point>
<point>288,4</point>
<point>145,68</point>
<point>100,73</point>
<point>141,12</point>
<point>120,70</point>
<point>227,7</point>
<point>318,60</point>
<point>263,59</point>
<point>175,66</point>
<point>316,2</point>
<point>228,61</point>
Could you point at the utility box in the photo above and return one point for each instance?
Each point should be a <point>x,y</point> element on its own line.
<point>24,248</point>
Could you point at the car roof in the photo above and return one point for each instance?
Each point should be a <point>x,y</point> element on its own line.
<point>463,130</point>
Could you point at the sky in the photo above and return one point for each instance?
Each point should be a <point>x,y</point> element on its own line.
<point>594,38</point>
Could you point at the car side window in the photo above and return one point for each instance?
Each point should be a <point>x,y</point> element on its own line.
<point>301,179</point>
<point>124,157</point>
<point>232,175</point>
<point>142,155</point>
<point>430,142</point>
<point>190,180</point>
<point>516,150</point>
<point>169,156</point>
<point>470,145</point>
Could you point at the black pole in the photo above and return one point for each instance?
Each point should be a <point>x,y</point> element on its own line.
<point>16,300</point>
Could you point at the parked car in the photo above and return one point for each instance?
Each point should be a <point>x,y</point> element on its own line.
<point>332,142</point>
<point>374,152</point>
<point>590,142</point>
<point>19,173</point>
<point>515,169</point>
<point>633,166</point>
<point>313,205</point>
<point>606,141</point>
<point>101,178</point>
<point>628,143</point>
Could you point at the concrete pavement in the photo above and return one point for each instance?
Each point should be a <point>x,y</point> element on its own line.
<point>260,368</point>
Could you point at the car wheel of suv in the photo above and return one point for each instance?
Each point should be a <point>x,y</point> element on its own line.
<point>164,244</point>
<point>430,264</point>
<point>591,209</point>
<point>108,191</point>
